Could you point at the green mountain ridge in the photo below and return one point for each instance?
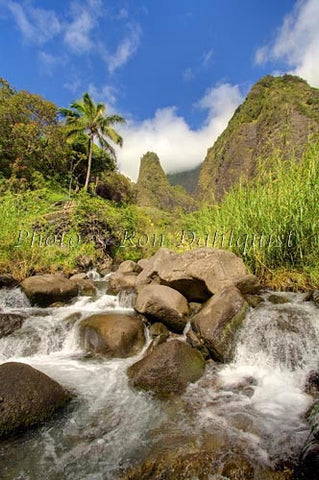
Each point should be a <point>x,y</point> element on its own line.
<point>279,115</point>
<point>154,190</point>
<point>187,179</point>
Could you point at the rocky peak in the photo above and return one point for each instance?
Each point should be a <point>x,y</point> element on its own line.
<point>154,189</point>
<point>279,116</point>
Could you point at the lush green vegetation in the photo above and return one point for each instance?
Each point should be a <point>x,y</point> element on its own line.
<point>48,222</point>
<point>36,146</point>
<point>272,221</point>
<point>44,231</point>
<point>85,117</point>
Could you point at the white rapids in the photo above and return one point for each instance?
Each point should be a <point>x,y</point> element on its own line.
<point>259,398</point>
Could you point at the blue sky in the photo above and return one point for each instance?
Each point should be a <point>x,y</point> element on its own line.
<point>176,69</point>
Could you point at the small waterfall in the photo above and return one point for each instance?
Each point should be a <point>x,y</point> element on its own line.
<point>282,337</point>
<point>257,402</point>
<point>260,396</point>
<point>126,299</point>
<point>13,299</point>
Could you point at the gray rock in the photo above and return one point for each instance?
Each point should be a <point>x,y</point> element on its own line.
<point>198,273</point>
<point>27,397</point>
<point>163,304</point>
<point>43,290</point>
<point>218,321</point>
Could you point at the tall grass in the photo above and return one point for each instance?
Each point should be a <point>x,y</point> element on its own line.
<point>272,221</point>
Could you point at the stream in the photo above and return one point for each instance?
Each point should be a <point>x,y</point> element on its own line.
<point>255,404</point>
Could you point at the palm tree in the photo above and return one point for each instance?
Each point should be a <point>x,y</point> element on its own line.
<point>86,116</point>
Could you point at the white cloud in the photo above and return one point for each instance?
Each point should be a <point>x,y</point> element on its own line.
<point>106,94</point>
<point>36,24</point>
<point>297,42</point>
<point>125,49</point>
<point>168,134</point>
<point>78,32</point>
<point>207,58</point>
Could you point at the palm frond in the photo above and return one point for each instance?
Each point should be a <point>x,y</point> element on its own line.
<point>115,119</point>
<point>114,136</point>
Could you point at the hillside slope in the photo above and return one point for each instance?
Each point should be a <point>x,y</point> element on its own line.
<point>278,115</point>
<point>154,190</point>
<point>187,179</point>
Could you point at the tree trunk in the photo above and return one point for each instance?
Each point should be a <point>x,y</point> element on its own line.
<point>88,173</point>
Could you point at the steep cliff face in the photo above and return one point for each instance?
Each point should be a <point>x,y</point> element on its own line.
<point>187,179</point>
<point>280,114</point>
<point>154,190</point>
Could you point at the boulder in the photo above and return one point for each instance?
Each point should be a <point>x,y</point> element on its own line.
<point>218,321</point>
<point>7,281</point>
<point>84,285</point>
<point>124,277</point>
<point>9,323</point>
<point>198,273</point>
<point>196,342</point>
<point>112,335</point>
<point>27,397</point>
<point>168,369</point>
<point>43,290</point>
<point>163,304</point>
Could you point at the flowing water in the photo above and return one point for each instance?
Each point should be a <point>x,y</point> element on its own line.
<point>256,403</point>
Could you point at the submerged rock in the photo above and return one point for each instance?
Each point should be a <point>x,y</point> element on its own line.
<point>254,300</point>
<point>218,321</point>
<point>163,304</point>
<point>277,299</point>
<point>159,333</point>
<point>168,369</point>
<point>113,335</point>
<point>27,397</point>
<point>9,323</point>
<point>43,290</point>
<point>185,456</point>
